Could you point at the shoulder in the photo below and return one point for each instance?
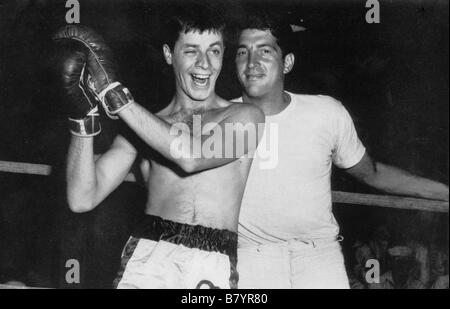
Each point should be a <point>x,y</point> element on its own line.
<point>245,112</point>
<point>318,102</point>
<point>318,108</point>
<point>240,112</point>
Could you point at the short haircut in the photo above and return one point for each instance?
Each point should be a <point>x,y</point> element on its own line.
<point>261,19</point>
<point>192,16</point>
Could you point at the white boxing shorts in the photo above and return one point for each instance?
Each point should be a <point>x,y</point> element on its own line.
<point>163,254</point>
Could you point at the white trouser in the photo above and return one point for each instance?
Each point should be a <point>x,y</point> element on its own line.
<point>295,264</point>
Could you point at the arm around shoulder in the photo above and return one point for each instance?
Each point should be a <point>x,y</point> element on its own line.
<point>197,151</point>
<point>237,135</point>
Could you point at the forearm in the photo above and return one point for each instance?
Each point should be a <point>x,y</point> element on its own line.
<point>81,175</point>
<point>172,142</point>
<point>397,181</point>
<point>154,131</point>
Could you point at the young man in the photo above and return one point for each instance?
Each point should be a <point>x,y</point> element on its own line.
<point>188,238</point>
<point>288,236</point>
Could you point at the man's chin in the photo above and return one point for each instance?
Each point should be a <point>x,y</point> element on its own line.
<point>255,91</point>
<point>200,95</point>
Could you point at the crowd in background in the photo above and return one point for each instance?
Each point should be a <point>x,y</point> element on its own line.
<point>408,265</point>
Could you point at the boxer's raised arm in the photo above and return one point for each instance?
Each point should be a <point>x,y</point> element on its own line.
<point>235,135</point>
<point>90,179</point>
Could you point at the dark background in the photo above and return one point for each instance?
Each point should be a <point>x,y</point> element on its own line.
<point>392,77</point>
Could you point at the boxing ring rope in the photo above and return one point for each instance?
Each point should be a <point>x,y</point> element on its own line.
<point>390,201</point>
<point>14,287</point>
<point>339,197</point>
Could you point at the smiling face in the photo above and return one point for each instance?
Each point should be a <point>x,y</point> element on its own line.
<point>196,60</point>
<point>259,63</point>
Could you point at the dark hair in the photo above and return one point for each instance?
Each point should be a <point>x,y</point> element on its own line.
<point>192,16</point>
<point>261,19</point>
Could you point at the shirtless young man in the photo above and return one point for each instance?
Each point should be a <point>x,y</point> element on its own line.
<point>188,237</point>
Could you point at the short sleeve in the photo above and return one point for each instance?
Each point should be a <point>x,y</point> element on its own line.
<point>348,149</point>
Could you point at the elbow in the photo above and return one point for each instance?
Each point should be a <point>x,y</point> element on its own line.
<point>189,166</point>
<point>195,165</point>
<point>78,205</point>
<point>79,208</point>
<point>184,159</point>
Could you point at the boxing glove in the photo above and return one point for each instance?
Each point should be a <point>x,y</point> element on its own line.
<point>83,112</point>
<point>102,68</point>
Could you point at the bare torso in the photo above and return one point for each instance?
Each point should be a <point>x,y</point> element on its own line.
<point>209,198</point>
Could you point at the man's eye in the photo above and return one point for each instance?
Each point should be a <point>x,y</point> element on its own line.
<point>216,52</point>
<point>241,52</point>
<point>266,51</point>
<point>190,51</point>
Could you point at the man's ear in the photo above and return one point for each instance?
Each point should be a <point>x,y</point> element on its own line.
<point>167,54</point>
<point>289,61</point>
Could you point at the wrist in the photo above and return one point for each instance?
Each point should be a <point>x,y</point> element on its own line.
<point>115,98</point>
<point>88,126</point>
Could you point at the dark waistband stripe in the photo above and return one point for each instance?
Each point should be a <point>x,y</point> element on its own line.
<point>192,236</point>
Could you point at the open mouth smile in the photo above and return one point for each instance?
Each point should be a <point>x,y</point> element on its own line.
<point>200,80</point>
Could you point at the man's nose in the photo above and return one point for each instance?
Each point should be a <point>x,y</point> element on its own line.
<point>203,61</point>
<point>253,60</point>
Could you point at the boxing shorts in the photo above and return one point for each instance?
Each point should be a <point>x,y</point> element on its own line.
<point>163,254</point>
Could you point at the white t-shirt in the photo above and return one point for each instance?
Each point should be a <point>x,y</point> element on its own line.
<point>290,198</point>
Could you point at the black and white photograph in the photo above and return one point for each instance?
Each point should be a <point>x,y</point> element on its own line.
<point>249,145</point>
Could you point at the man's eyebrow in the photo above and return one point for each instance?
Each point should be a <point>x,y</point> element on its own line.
<point>190,45</point>
<point>266,45</point>
<point>216,43</point>
<point>258,45</point>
